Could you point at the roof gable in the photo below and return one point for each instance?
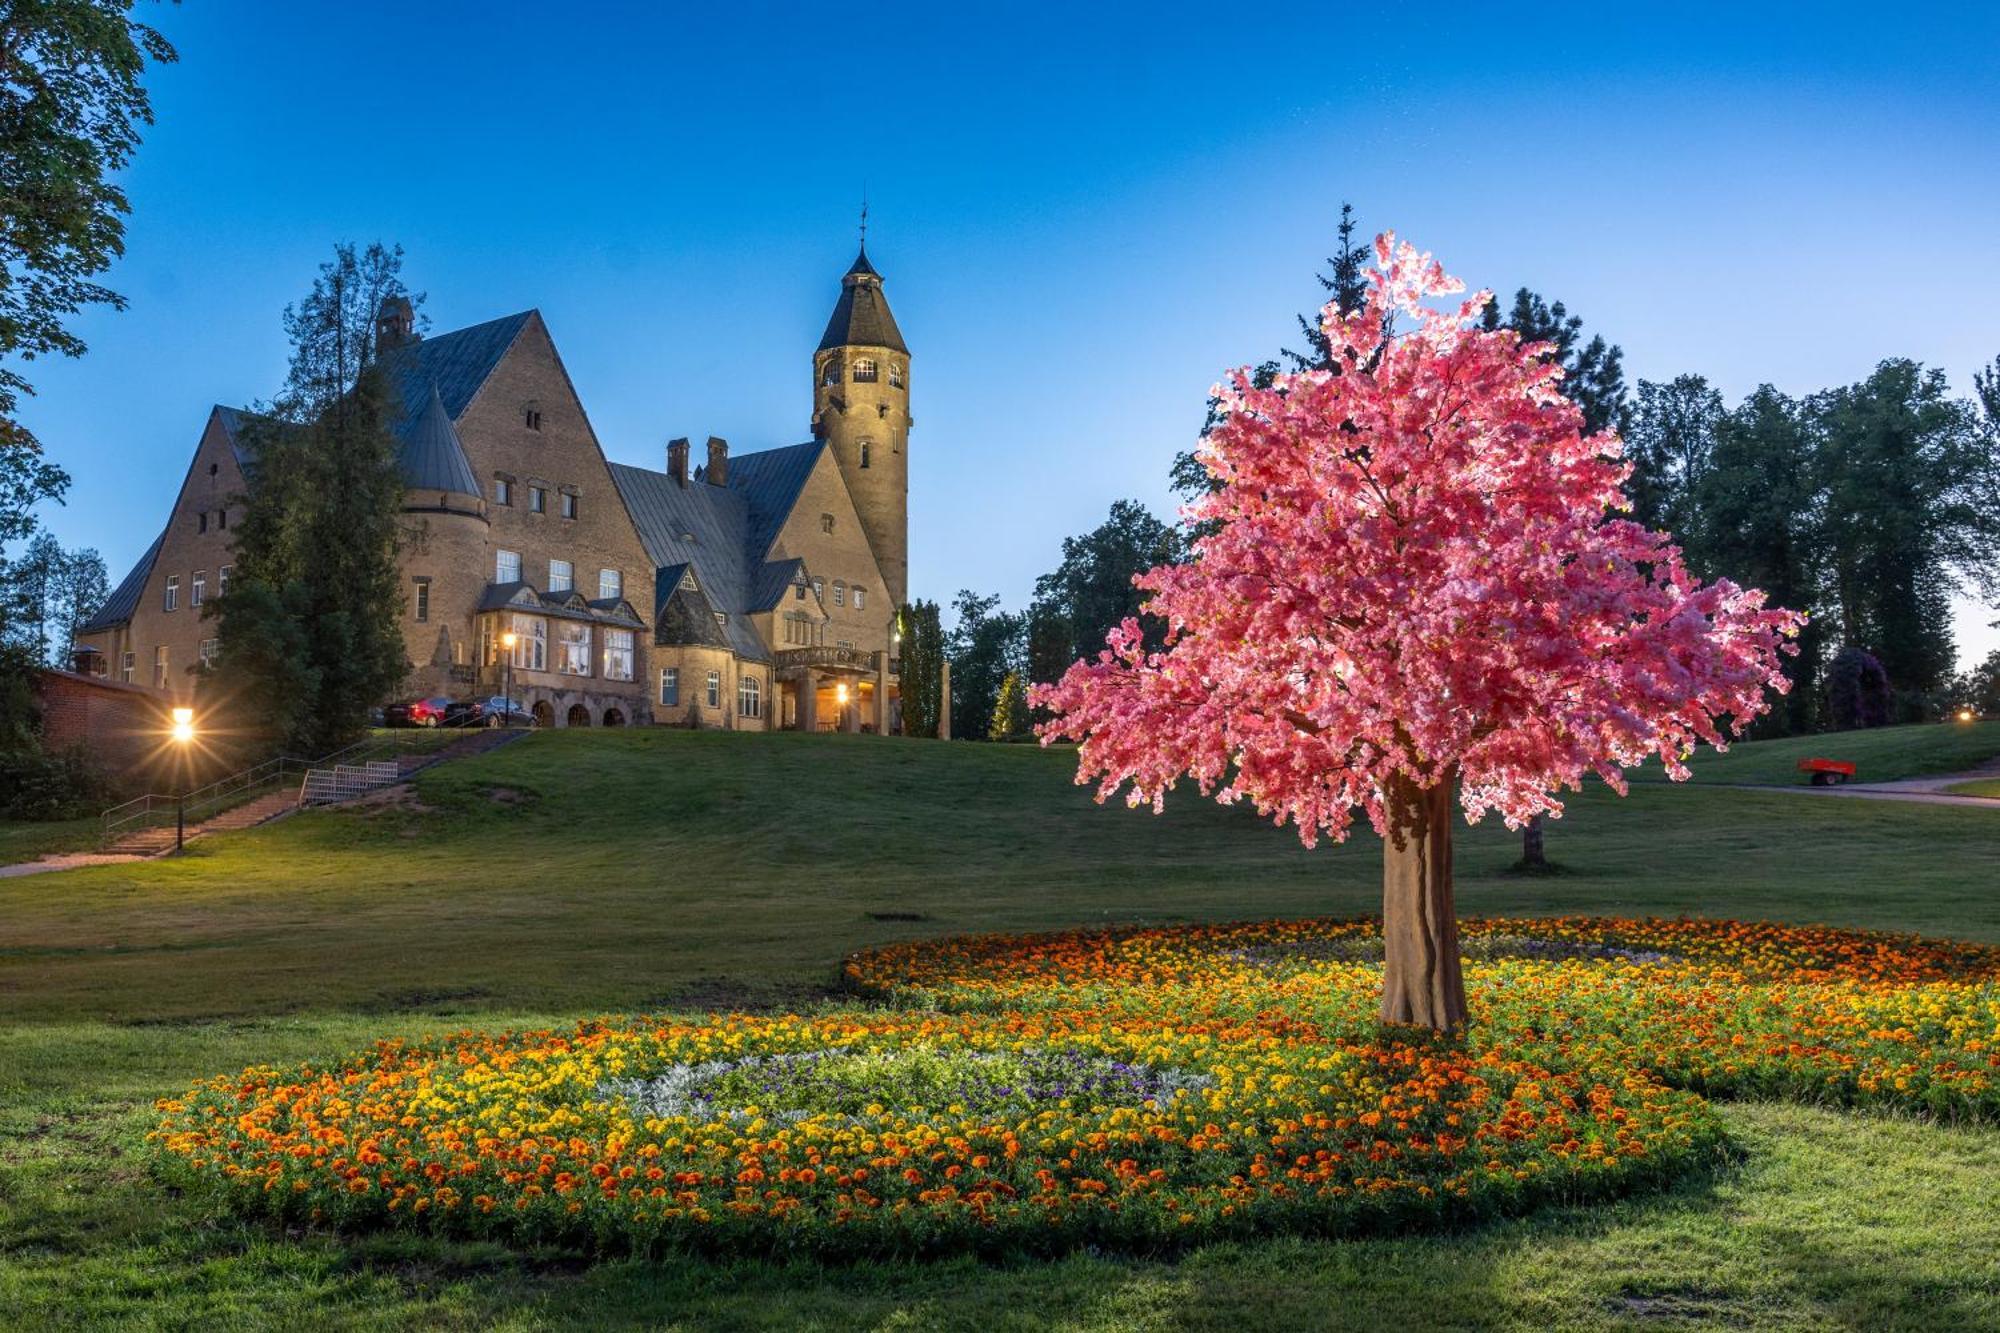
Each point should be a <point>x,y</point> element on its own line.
<point>456,364</point>
<point>124,599</point>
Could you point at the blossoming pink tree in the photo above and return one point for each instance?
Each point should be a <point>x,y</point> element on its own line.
<point>1418,591</point>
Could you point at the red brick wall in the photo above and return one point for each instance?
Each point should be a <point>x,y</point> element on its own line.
<point>121,726</point>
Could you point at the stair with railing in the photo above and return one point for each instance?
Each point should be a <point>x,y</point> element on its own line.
<point>344,782</point>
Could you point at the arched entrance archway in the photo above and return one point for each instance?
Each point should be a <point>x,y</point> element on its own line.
<point>579,716</point>
<point>545,716</point>
<point>613,718</point>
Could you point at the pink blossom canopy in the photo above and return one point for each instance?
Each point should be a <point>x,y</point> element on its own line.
<point>1417,571</point>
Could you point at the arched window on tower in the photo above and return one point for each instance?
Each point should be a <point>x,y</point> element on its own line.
<point>864,370</point>
<point>865,448</point>
<point>830,372</point>
<point>895,375</point>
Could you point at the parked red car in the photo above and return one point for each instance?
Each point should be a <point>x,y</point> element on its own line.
<point>417,713</point>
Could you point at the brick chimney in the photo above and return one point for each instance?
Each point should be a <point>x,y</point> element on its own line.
<point>677,460</point>
<point>395,323</point>
<point>718,461</point>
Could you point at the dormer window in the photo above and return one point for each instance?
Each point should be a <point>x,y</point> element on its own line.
<point>864,370</point>
<point>895,375</point>
<point>830,373</point>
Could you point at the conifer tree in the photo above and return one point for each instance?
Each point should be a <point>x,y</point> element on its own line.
<point>1010,710</point>
<point>310,636</point>
<point>921,680</point>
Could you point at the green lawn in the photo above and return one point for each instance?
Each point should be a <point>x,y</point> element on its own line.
<point>1989,787</point>
<point>26,840</point>
<point>1882,755</point>
<point>580,872</point>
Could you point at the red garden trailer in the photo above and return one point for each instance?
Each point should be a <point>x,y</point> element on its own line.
<point>1827,772</point>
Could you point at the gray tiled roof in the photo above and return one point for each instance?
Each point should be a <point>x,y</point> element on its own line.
<point>455,364</point>
<point>772,581</point>
<point>686,616</point>
<point>124,599</point>
<point>571,605</point>
<point>722,531</point>
<point>432,457</point>
<point>862,318</point>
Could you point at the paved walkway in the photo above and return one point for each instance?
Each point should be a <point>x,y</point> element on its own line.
<point>66,861</point>
<point>1922,791</point>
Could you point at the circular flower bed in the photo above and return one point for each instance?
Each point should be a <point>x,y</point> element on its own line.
<point>1130,1087</point>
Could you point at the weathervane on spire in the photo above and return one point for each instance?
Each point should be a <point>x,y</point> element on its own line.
<point>864,217</point>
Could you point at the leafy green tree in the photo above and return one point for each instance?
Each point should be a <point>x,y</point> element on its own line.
<point>1912,484</point>
<point>1986,383</point>
<point>55,591</point>
<point>1079,602</point>
<point>985,647</point>
<point>310,636</point>
<point>1758,517</point>
<point>71,106</point>
<point>1670,440</point>
<point>1010,710</point>
<point>922,673</point>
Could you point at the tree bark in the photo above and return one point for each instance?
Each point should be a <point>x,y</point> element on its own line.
<point>1421,983</point>
<point>1532,856</point>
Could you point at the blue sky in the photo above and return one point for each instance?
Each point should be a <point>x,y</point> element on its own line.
<point>1085,214</point>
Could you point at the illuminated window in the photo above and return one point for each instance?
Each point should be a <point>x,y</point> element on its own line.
<point>208,648</point>
<point>864,370</point>
<point>561,576</point>
<point>618,654</point>
<point>572,648</point>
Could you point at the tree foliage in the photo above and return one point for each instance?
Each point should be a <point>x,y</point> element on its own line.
<point>1858,690</point>
<point>1077,604</point>
<point>985,647</point>
<point>1010,710</point>
<point>921,681</point>
<point>310,632</point>
<point>1593,371</point>
<point>56,590</point>
<point>1416,594</point>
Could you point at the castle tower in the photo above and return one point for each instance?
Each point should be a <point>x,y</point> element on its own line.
<point>861,408</point>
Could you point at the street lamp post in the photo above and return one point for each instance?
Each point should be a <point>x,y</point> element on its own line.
<point>183,734</point>
<point>507,642</point>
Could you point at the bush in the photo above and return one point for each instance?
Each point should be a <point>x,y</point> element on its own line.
<point>65,784</point>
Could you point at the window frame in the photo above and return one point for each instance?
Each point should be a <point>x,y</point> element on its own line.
<point>501,565</point>
<point>197,588</point>
<point>619,653</point>
<point>573,648</point>
<point>170,596</point>
<point>568,575</point>
<point>538,499</point>
<point>860,595</point>
<point>749,696</point>
<point>840,592</point>
<point>670,687</point>
<point>420,607</point>
<point>713,691</point>
<point>568,504</point>
<point>503,491</point>
<point>612,580</point>
<point>160,666</point>
<point>864,370</point>
<point>128,665</point>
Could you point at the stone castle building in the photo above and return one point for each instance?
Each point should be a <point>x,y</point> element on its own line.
<point>756,591</point>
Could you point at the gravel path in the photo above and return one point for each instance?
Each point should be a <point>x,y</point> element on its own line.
<point>65,861</point>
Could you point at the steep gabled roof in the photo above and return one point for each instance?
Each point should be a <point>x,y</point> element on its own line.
<point>699,525</point>
<point>686,616</point>
<point>454,363</point>
<point>770,481</point>
<point>124,599</point>
<point>568,605</point>
<point>772,581</point>
<point>861,317</point>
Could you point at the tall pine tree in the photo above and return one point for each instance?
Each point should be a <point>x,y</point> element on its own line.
<point>309,632</point>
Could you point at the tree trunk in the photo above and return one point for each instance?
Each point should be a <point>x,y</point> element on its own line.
<point>1532,857</point>
<point>1420,974</point>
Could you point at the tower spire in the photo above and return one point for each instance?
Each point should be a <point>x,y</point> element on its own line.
<point>864,219</point>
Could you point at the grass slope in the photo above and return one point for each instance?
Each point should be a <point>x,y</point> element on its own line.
<point>581,872</point>
<point>1886,754</point>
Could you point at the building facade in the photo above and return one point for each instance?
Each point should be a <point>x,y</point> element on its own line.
<point>757,591</point>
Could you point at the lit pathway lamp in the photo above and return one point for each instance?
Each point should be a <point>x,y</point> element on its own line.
<point>507,642</point>
<point>183,735</point>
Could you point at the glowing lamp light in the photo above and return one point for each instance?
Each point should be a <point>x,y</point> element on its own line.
<point>840,693</point>
<point>1965,715</point>
<point>183,730</point>
<point>508,640</point>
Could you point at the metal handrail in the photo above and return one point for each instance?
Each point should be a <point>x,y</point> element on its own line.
<point>235,788</point>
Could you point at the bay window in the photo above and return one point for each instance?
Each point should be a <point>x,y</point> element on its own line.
<point>618,654</point>
<point>572,648</point>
